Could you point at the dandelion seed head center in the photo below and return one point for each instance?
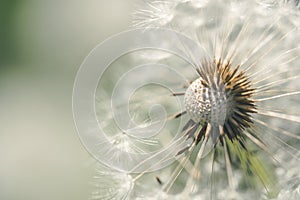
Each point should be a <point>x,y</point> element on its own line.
<point>206,104</point>
<point>221,96</point>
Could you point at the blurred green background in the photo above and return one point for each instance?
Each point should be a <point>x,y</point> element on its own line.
<point>42,45</point>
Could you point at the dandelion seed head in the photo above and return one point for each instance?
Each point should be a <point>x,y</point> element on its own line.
<point>243,93</point>
<point>221,97</point>
<point>205,104</point>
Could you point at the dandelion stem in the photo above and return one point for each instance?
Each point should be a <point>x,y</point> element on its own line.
<point>190,185</point>
<point>228,165</point>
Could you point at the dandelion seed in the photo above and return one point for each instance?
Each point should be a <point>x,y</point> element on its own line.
<point>154,13</point>
<point>111,184</point>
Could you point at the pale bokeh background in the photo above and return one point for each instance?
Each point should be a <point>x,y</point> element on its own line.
<point>42,44</point>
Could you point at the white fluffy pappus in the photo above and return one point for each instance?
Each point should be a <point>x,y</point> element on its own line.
<point>251,149</point>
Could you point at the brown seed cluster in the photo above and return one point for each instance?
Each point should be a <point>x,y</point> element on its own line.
<point>239,89</point>
<point>222,79</point>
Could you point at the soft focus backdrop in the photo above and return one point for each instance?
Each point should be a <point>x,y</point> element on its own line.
<point>42,44</point>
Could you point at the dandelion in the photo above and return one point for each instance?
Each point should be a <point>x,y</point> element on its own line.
<point>240,133</point>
